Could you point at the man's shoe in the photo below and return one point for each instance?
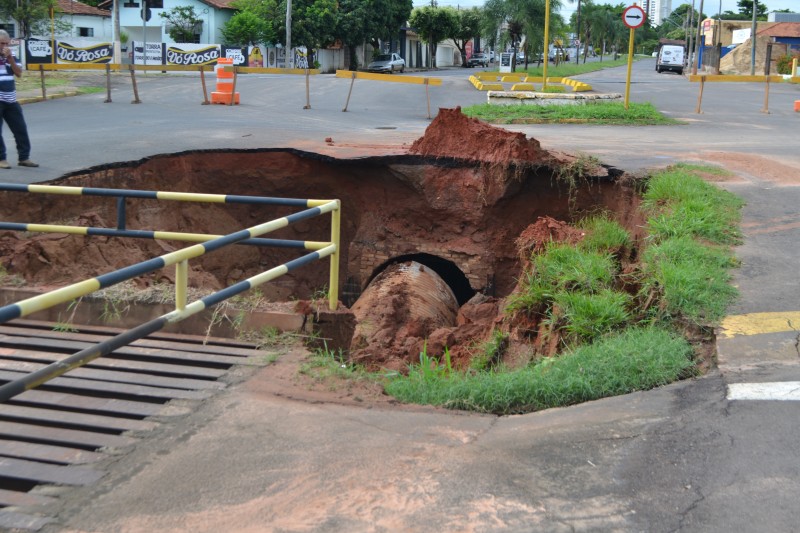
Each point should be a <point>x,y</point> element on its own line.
<point>4,164</point>
<point>27,163</point>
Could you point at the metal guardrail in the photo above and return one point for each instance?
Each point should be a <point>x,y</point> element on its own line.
<point>179,258</point>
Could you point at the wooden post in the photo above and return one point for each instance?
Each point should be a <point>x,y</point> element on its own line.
<point>352,81</point>
<point>428,98</point>
<point>767,66</point>
<point>44,90</point>
<point>233,92</point>
<point>135,89</point>
<point>108,84</point>
<point>308,97</point>
<point>203,82</point>
<point>700,96</point>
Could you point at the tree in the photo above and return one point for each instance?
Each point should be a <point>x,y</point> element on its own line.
<point>182,23</point>
<point>245,28</point>
<point>372,21</point>
<point>467,27</point>
<point>746,9</point>
<point>31,15</point>
<point>433,25</point>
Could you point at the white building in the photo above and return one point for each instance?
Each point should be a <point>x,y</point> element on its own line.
<point>657,10</point>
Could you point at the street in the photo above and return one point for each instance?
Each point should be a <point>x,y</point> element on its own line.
<point>680,458</point>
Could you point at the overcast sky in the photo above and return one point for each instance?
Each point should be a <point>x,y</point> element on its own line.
<point>710,7</point>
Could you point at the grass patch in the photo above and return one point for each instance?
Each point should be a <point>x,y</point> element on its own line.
<point>616,342</point>
<point>603,235</point>
<point>636,359</point>
<point>609,113</point>
<point>570,69</point>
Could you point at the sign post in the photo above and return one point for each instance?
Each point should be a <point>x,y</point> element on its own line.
<point>633,17</point>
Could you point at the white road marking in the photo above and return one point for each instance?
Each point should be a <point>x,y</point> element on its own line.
<point>784,390</point>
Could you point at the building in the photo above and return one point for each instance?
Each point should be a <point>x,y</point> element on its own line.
<point>657,10</point>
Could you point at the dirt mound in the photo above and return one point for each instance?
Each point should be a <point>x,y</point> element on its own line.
<point>453,134</point>
<point>546,229</point>
<point>738,61</point>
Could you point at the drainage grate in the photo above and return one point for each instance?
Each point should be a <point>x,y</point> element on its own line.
<point>57,433</point>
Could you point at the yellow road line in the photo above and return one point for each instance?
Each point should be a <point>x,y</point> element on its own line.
<point>757,323</point>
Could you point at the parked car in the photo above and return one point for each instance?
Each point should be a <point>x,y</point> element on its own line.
<point>387,63</point>
<point>478,60</point>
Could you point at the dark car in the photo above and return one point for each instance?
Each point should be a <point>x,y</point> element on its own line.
<point>387,63</point>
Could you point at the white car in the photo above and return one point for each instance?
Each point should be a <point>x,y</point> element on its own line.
<point>387,63</point>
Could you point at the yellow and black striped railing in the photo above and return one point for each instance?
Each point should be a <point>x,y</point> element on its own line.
<point>179,258</point>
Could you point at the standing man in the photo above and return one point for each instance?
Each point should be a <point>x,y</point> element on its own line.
<point>10,110</point>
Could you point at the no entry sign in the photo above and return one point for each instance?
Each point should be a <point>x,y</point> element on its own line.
<point>633,17</point>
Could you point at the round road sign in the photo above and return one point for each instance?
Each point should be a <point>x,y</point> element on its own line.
<point>633,17</point>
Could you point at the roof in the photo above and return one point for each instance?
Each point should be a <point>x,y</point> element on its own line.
<point>782,29</point>
<point>73,7</point>
<point>219,4</point>
<point>216,4</point>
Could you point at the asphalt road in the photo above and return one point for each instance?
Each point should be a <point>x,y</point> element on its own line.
<point>681,458</point>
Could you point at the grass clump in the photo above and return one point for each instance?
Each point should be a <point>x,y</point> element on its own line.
<point>636,359</point>
<point>588,316</point>
<point>678,203</point>
<point>596,113</point>
<point>603,235</point>
<point>562,268</point>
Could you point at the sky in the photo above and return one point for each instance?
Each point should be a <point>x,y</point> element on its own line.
<point>710,7</point>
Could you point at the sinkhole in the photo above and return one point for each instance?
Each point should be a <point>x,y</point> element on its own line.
<point>452,211</point>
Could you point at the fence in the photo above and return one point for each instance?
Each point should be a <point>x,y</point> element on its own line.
<point>179,258</point>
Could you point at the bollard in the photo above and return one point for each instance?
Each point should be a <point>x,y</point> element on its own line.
<point>224,93</point>
<point>797,106</point>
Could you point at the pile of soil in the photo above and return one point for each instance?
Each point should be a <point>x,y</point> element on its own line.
<point>738,61</point>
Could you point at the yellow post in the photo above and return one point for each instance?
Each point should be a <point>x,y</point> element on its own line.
<point>630,66</point>
<point>546,42</point>
<point>794,67</point>
<point>181,284</point>
<point>333,293</point>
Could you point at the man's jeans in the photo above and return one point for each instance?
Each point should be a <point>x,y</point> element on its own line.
<point>11,113</point>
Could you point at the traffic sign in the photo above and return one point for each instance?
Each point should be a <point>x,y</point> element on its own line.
<point>633,17</point>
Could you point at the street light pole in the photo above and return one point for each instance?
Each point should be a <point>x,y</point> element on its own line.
<point>578,33</point>
<point>753,40</point>
<point>289,55</point>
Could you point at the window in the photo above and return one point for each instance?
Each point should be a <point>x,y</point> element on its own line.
<point>9,28</point>
<point>85,32</point>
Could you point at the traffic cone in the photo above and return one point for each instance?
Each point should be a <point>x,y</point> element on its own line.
<point>224,91</point>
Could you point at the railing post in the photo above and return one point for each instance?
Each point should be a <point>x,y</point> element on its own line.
<point>44,90</point>
<point>333,293</point>
<point>108,84</point>
<point>354,74</point>
<point>121,216</point>
<point>181,284</point>
<point>133,82</point>
<point>203,83</point>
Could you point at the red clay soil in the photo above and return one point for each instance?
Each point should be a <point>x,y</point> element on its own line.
<point>470,201</point>
<point>453,134</point>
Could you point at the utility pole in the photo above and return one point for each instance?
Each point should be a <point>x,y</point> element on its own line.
<point>289,55</point>
<point>696,59</point>
<point>578,33</point>
<point>753,40</point>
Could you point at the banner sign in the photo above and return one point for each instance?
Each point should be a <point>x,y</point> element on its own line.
<point>239,55</point>
<point>99,53</point>
<point>155,53</point>
<point>191,54</point>
<point>38,51</point>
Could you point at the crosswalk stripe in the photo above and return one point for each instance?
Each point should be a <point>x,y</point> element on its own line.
<point>783,390</point>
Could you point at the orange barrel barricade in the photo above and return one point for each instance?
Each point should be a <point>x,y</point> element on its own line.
<point>224,83</point>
